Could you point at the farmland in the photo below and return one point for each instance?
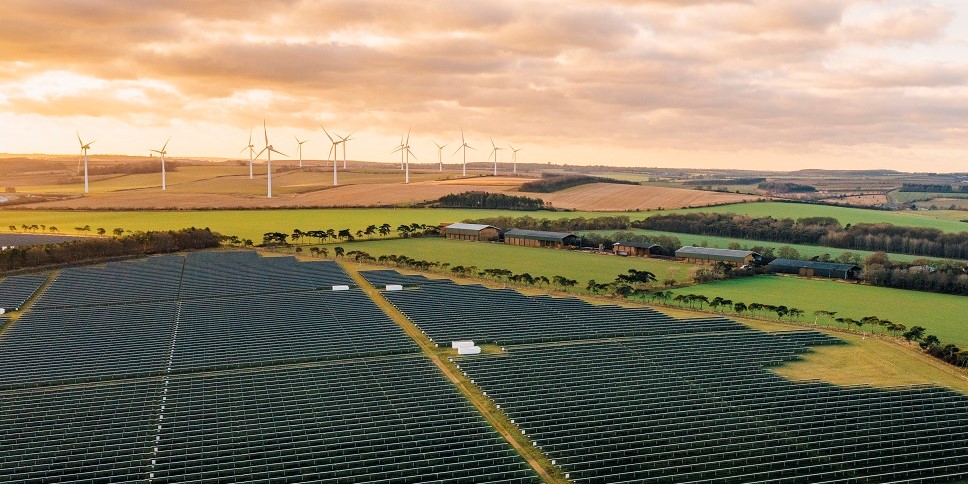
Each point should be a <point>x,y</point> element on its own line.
<point>612,197</point>
<point>806,251</point>
<point>253,223</point>
<point>941,314</point>
<point>537,262</point>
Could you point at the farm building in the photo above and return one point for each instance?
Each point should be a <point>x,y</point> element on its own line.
<point>475,232</point>
<point>812,268</point>
<point>538,238</point>
<point>706,255</point>
<point>636,249</point>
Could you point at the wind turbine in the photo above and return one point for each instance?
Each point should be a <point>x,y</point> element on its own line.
<point>84,148</point>
<point>299,148</point>
<point>332,151</point>
<point>464,146</point>
<point>494,150</point>
<point>514,156</point>
<point>268,151</point>
<point>251,149</point>
<point>345,140</point>
<point>162,152</point>
<point>404,148</point>
<point>440,155</point>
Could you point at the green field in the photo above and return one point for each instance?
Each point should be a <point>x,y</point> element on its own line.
<point>940,219</point>
<point>806,251</point>
<point>535,261</point>
<point>942,314</point>
<point>253,223</point>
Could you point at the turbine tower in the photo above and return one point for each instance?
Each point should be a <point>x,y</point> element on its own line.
<point>269,150</point>
<point>345,140</point>
<point>464,146</point>
<point>299,148</point>
<point>84,148</point>
<point>251,149</point>
<point>514,156</point>
<point>162,152</point>
<point>404,149</point>
<point>440,155</point>
<point>494,150</point>
<point>332,151</point>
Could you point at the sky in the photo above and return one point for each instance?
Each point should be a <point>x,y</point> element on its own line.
<point>750,84</point>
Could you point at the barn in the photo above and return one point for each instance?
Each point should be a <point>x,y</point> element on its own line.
<point>707,255</point>
<point>810,268</point>
<point>636,249</point>
<point>475,232</point>
<point>539,238</point>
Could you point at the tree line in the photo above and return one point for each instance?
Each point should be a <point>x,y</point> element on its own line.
<point>824,231</point>
<point>931,188</point>
<point>320,236</point>
<point>920,275</point>
<point>136,243</point>
<point>557,225</point>
<point>786,187</point>
<point>551,182</point>
<point>724,181</point>
<point>476,199</point>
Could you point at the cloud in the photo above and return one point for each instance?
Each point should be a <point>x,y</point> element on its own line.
<point>637,75</point>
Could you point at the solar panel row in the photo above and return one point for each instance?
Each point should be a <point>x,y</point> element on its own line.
<point>447,312</point>
<point>396,420</point>
<point>16,290</point>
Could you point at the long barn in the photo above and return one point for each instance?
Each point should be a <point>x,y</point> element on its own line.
<point>474,232</point>
<point>708,255</point>
<point>539,238</point>
<point>811,268</point>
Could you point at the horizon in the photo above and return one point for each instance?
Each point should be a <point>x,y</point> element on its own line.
<point>759,85</point>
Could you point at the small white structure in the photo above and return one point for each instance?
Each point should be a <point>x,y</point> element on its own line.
<point>341,288</point>
<point>2,310</point>
<point>461,344</point>
<point>394,287</point>
<point>469,350</point>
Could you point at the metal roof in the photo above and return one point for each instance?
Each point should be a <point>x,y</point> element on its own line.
<point>640,245</point>
<point>538,235</point>
<point>710,253</point>
<point>813,264</point>
<point>470,229</point>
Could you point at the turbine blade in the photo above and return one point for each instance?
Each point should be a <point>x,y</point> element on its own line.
<point>462,136</point>
<point>79,138</point>
<point>473,148</point>
<point>396,150</point>
<point>413,155</point>
<point>455,151</point>
<point>327,134</point>
<point>265,131</point>
<point>250,136</point>
<point>260,153</point>
<point>277,151</point>
<point>166,144</point>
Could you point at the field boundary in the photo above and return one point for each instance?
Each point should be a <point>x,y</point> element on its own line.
<point>497,419</point>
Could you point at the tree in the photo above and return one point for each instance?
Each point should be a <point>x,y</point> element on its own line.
<point>359,234</point>
<point>324,251</point>
<point>739,307</point>
<point>914,334</point>
<point>930,341</point>
<point>13,228</point>
<point>117,232</point>
<point>101,231</point>
<point>339,251</point>
<point>296,235</point>
<point>370,230</point>
<point>345,234</point>
<point>636,277</point>
<point>384,230</point>
<point>403,230</point>
<point>273,238</point>
<point>787,252</point>
<point>53,229</point>
<point>871,320</point>
<point>314,251</point>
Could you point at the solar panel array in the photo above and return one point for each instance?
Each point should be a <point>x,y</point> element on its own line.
<point>705,408</point>
<point>447,312</point>
<point>229,367</point>
<point>16,290</point>
<point>683,400</point>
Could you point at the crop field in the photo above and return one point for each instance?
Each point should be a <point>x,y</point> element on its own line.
<point>942,314</point>
<point>723,243</point>
<point>947,203</point>
<point>537,262</point>
<point>613,197</point>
